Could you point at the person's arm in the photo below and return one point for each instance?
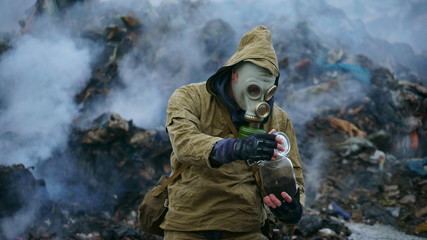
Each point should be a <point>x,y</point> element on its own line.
<point>183,124</point>
<point>260,146</point>
<point>223,152</point>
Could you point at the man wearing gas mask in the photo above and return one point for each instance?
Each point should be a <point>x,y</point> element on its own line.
<point>217,196</point>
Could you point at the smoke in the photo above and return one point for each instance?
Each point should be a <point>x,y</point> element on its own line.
<point>68,183</point>
<point>11,11</point>
<point>141,100</point>
<point>318,158</point>
<point>394,20</point>
<point>47,67</point>
<point>39,79</point>
<point>145,95</point>
<point>19,222</point>
<point>305,104</point>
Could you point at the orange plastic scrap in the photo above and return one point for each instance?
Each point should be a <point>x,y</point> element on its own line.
<point>421,212</point>
<point>305,63</point>
<point>347,127</point>
<point>414,140</point>
<point>356,110</point>
<point>422,227</point>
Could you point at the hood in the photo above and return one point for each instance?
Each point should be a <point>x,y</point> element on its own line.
<point>255,46</point>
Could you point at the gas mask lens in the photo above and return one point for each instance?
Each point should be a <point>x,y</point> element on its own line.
<point>254,91</point>
<point>270,92</point>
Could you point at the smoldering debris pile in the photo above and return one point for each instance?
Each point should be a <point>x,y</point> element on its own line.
<point>361,127</point>
<point>104,174</point>
<point>362,136</point>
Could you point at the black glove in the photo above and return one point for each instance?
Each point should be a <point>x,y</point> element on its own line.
<point>259,146</point>
<point>289,213</point>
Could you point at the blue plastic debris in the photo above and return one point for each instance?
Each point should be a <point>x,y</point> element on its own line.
<point>418,166</point>
<point>341,211</point>
<point>360,73</point>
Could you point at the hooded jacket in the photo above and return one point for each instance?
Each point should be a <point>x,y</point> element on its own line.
<point>224,198</point>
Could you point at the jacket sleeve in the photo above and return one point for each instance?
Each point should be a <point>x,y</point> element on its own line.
<point>189,143</point>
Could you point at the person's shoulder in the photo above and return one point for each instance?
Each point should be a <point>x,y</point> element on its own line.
<point>191,90</point>
<point>278,109</point>
<point>280,112</point>
<point>194,86</point>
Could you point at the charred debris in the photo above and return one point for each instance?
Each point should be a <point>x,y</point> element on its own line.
<point>362,138</point>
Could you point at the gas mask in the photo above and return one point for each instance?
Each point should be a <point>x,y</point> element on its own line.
<point>252,87</point>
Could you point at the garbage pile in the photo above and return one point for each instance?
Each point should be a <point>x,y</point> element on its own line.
<point>113,164</point>
<point>362,136</point>
<point>362,132</point>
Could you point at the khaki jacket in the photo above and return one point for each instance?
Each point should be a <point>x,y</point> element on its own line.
<point>224,198</point>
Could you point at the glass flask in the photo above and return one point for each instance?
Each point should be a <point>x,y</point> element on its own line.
<point>278,175</point>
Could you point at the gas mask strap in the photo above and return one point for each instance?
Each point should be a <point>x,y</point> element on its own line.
<point>228,119</point>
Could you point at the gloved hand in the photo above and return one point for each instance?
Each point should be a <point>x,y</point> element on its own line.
<point>287,212</point>
<point>259,146</point>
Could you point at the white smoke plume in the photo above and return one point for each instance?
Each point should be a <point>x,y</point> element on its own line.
<point>313,168</point>
<point>393,20</point>
<point>19,221</point>
<point>141,100</point>
<point>11,12</point>
<point>39,78</point>
<point>146,92</point>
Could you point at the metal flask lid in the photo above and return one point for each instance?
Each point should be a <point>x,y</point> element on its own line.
<point>286,144</point>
